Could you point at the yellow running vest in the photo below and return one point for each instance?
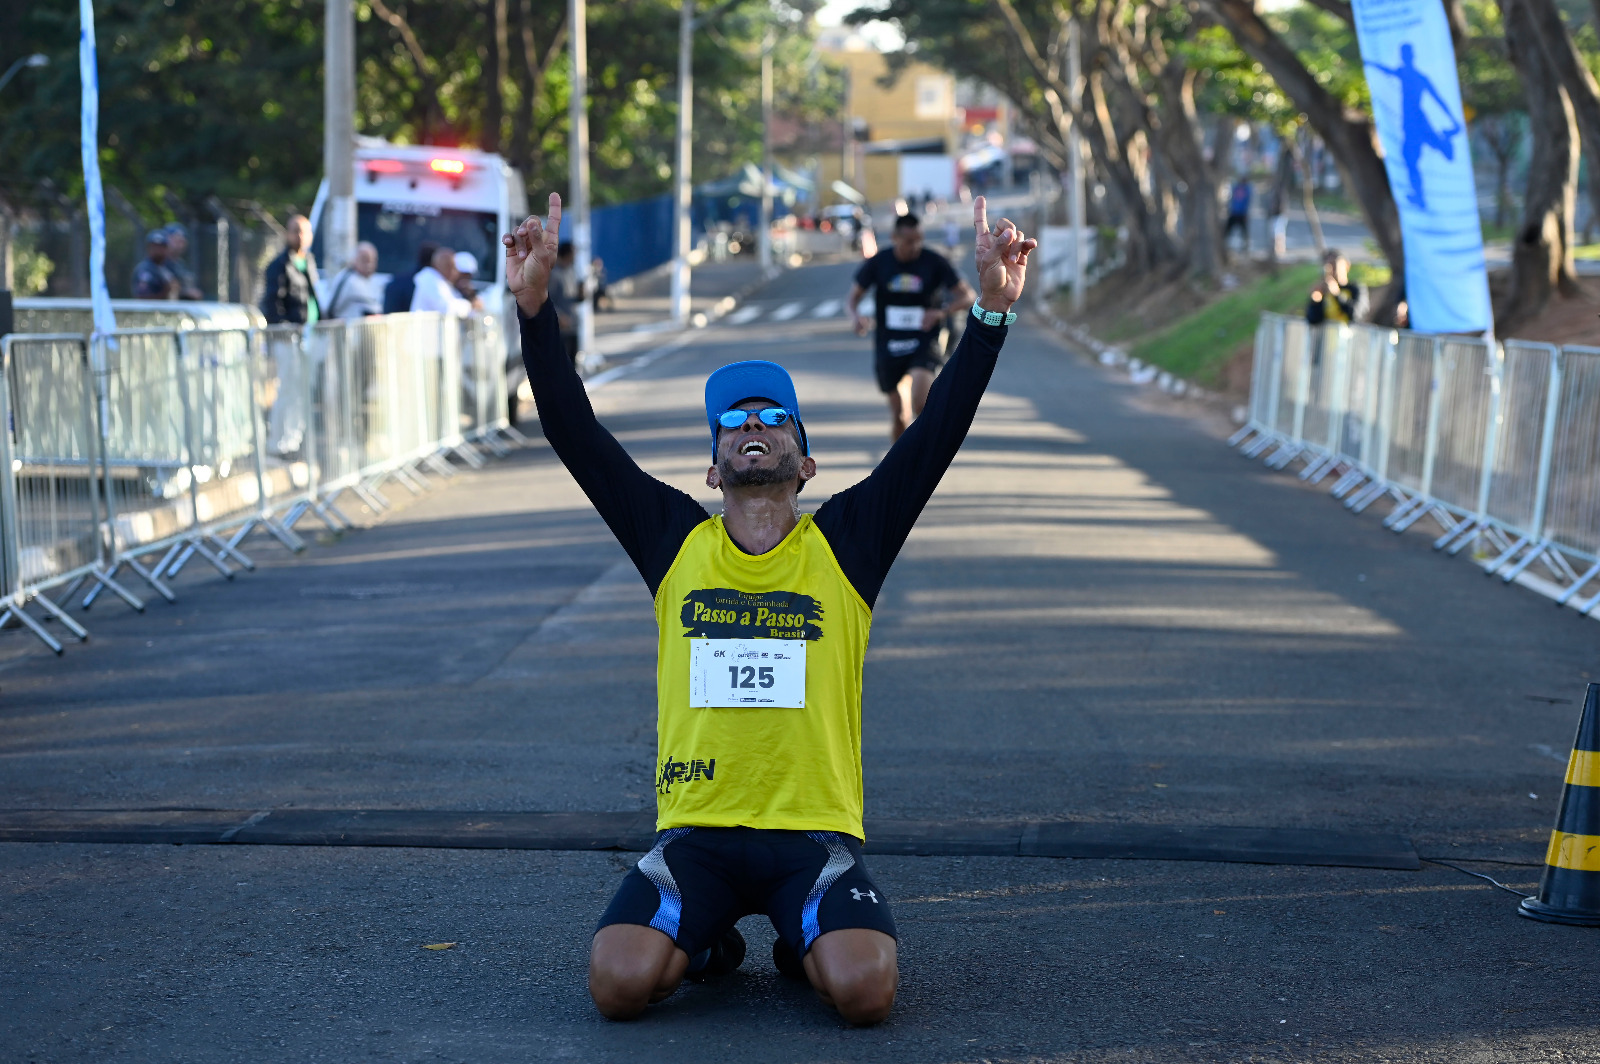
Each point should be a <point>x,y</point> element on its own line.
<point>759,766</point>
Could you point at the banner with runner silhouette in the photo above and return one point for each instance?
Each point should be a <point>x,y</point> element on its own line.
<point>1416,100</point>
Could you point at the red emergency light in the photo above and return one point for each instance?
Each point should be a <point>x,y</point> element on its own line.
<point>448,166</point>
<point>385,166</point>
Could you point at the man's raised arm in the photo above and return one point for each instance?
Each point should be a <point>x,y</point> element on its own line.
<point>868,523</point>
<point>648,518</point>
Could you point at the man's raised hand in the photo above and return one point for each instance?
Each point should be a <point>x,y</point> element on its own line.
<point>1002,259</point>
<point>530,255</point>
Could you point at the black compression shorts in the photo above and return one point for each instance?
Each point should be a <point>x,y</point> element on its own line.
<point>697,882</point>
<point>890,368</point>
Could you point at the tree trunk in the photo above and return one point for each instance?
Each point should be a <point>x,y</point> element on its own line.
<point>1202,225</point>
<point>1541,253</point>
<point>1350,136</point>
<point>494,72</point>
<point>1563,56</point>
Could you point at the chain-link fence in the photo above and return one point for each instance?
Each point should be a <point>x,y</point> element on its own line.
<point>126,456</point>
<point>1498,444</point>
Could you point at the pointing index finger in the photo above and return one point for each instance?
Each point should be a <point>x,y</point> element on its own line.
<point>552,234</point>
<point>980,214</point>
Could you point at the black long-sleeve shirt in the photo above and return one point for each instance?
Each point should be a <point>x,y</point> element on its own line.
<point>865,525</point>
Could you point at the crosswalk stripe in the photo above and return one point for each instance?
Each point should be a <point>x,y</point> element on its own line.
<point>787,311</point>
<point>744,315</point>
<point>828,308</point>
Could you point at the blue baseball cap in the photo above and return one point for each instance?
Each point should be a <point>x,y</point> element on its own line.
<point>741,381</point>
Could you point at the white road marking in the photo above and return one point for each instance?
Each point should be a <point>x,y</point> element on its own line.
<point>787,311</point>
<point>828,308</point>
<point>744,315</point>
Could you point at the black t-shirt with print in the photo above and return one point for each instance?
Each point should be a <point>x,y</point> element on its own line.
<point>896,284</point>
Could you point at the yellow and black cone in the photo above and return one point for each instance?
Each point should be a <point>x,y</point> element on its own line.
<point>1569,892</point>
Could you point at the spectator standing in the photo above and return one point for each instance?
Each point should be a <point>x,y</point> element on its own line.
<point>564,298</point>
<point>597,278</point>
<point>1336,297</point>
<point>354,292</point>
<point>1278,220</point>
<point>1238,213</point>
<point>152,279</point>
<point>178,262</point>
<point>289,297</point>
<point>397,297</point>
<point>290,294</point>
<point>434,287</point>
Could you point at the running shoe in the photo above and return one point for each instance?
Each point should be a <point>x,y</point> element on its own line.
<point>720,959</point>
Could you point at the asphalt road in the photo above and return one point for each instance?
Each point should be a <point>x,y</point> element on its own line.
<point>1104,615</point>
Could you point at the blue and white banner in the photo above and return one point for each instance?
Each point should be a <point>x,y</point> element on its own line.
<point>1416,100</point>
<point>88,73</point>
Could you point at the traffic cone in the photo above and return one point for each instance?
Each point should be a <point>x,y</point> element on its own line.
<point>1569,892</point>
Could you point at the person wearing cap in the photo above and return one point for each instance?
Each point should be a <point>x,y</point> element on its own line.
<point>466,264</point>
<point>763,614</point>
<point>178,262</point>
<point>152,277</point>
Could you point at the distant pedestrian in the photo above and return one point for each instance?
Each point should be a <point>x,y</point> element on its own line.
<point>152,279</point>
<point>397,297</point>
<point>1278,220</point>
<point>1336,298</point>
<point>354,291</point>
<point>564,298</point>
<point>434,290</point>
<point>290,292</point>
<point>1238,213</point>
<point>178,262</point>
<point>601,294</point>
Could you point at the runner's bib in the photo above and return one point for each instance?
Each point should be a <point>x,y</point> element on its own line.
<point>725,673</point>
<point>903,319</point>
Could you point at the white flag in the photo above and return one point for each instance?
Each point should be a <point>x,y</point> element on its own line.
<point>104,320</point>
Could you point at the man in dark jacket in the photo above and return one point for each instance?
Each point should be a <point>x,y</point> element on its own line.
<point>397,297</point>
<point>290,292</point>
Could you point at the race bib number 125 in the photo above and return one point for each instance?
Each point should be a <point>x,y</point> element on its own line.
<point>747,672</point>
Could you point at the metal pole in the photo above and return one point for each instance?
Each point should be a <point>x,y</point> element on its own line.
<point>339,135</point>
<point>764,242</point>
<point>578,170</point>
<point>681,199</point>
<point>1075,204</point>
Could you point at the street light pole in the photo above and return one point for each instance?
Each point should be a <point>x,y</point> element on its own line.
<point>578,169</point>
<point>681,190</point>
<point>37,59</point>
<point>765,241</point>
<point>339,135</point>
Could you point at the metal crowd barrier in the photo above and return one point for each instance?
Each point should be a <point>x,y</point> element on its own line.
<point>1497,444</point>
<point>142,449</point>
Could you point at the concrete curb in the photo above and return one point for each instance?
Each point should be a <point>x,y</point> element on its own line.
<point>1139,371</point>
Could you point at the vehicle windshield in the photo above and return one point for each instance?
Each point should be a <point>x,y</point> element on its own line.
<point>398,230</point>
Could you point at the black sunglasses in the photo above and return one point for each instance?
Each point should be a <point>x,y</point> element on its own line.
<point>772,415</point>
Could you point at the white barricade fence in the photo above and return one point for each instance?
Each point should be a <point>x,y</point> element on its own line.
<point>1497,444</point>
<point>51,521</point>
<point>144,448</point>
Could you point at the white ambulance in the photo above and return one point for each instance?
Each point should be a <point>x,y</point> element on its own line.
<point>409,195</point>
<point>415,194</point>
